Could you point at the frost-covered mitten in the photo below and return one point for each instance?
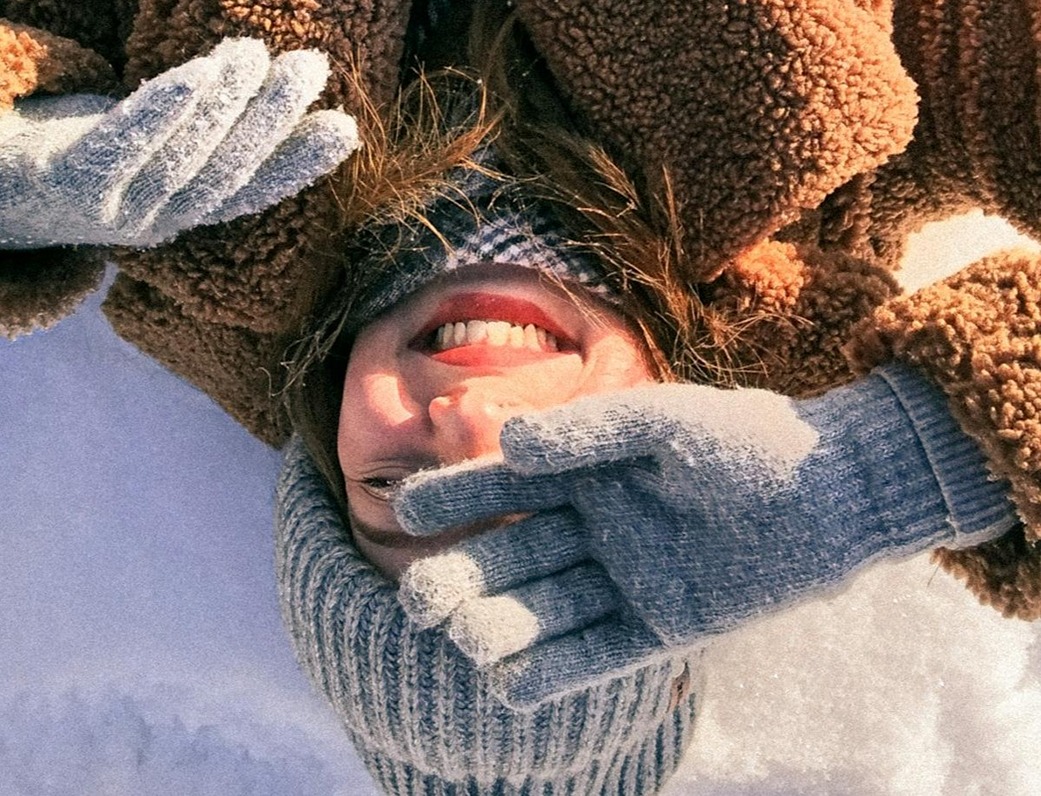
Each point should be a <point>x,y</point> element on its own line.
<point>221,136</point>
<point>663,514</point>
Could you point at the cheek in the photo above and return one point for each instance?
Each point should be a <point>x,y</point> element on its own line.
<point>373,409</point>
<point>632,367</point>
<point>617,362</point>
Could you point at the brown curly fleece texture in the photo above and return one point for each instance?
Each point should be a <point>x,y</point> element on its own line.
<point>98,25</point>
<point>978,334</point>
<point>34,60</point>
<point>786,129</point>
<point>37,288</point>
<point>41,286</point>
<point>977,143</point>
<point>772,295</point>
<point>754,108</point>
<point>253,280</point>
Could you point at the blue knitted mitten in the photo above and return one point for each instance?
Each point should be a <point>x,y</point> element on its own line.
<point>661,515</point>
<point>221,136</point>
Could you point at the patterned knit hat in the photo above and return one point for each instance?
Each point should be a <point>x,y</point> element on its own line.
<point>480,219</point>
<point>422,719</point>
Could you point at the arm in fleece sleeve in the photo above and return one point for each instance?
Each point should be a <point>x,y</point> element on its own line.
<point>978,335</point>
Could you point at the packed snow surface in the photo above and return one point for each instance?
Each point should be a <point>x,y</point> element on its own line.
<point>141,650</point>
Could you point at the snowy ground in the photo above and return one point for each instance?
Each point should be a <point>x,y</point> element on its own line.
<point>141,650</point>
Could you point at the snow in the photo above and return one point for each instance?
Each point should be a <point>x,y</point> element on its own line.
<point>141,650</point>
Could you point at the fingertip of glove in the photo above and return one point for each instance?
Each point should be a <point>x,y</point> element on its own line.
<point>490,629</point>
<point>337,129</point>
<point>432,588</point>
<point>306,70</point>
<point>232,61</point>
<point>309,61</point>
<point>242,49</point>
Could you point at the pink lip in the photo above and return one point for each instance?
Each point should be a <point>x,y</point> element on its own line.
<point>479,355</point>
<point>492,307</point>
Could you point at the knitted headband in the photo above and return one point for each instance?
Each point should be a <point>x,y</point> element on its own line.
<point>481,219</point>
<point>422,719</point>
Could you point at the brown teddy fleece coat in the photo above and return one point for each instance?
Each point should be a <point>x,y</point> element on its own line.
<point>803,139</point>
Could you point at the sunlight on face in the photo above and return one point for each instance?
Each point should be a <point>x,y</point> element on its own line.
<point>432,381</point>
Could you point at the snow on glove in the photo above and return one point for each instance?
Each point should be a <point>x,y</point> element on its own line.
<point>662,515</point>
<point>220,136</point>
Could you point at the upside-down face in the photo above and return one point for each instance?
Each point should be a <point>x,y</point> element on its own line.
<point>433,380</point>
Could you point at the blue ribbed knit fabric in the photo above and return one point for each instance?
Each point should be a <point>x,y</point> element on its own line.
<point>420,715</point>
<point>657,516</point>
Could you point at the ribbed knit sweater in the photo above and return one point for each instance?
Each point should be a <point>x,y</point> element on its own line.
<point>421,717</point>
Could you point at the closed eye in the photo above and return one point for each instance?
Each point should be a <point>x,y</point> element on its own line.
<point>380,487</point>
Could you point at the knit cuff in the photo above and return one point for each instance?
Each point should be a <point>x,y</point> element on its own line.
<point>641,770</point>
<point>977,501</point>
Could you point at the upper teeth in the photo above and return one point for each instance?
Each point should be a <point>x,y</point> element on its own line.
<point>497,333</point>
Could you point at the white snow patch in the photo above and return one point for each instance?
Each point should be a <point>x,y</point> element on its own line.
<point>142,652</point>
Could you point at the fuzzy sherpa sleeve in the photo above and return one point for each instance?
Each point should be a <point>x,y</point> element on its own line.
<point>781,313</point>
<point>977,143</point>
<point>249,283</point>
<point>32,60</point>
<point>38,288</point>
<point>978,335</point>
<point>758,109</point>
<point>101,26</point>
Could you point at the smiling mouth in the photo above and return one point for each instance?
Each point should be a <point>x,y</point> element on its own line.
<point>489,329</point>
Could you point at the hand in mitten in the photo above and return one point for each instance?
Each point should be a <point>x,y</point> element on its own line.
<point>657,516</point>
<point>218,137</point>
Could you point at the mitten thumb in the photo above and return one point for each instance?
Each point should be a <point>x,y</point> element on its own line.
<point>666,421</point>
<point>586,432</point>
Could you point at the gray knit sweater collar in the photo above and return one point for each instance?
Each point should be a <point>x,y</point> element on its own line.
<point>420,716</point>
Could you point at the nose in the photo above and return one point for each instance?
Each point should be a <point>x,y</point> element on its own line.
<point>467,424</point>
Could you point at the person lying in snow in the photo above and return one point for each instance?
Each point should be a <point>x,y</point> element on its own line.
<point>502,541</point>
<point>756,285</point>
